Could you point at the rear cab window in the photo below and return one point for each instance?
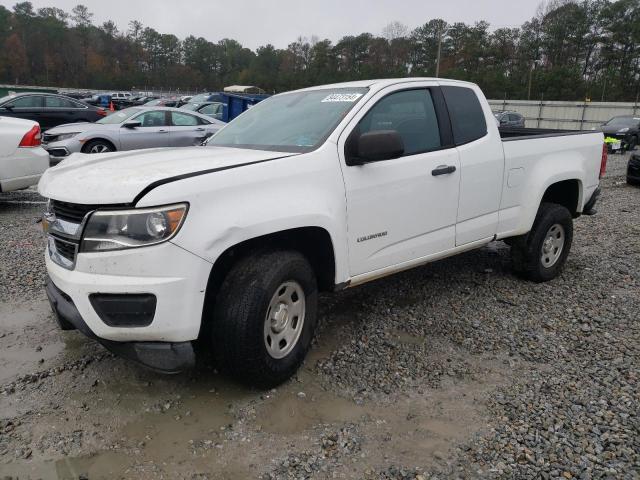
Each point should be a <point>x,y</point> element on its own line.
<point>467,117</point>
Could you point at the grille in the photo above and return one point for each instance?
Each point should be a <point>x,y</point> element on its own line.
<point>72,212</point>
<point>66,250</point>
<point>47,137</point>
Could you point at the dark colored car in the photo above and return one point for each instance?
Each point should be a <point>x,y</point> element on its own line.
<point>509,119</point>
<point>164,102</point>
<point>625,128</point>
<point>633,170</point>
<point>48,109</point>
<point>211,109</point>
<point>206,97</point>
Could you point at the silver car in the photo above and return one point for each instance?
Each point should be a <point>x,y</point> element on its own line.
<point>130,129</point>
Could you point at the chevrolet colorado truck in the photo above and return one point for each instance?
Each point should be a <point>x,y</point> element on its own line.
<point>226,246</point>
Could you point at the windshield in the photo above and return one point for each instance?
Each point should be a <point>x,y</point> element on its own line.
<point>119,117</point>
<point>190,106</point>
<point>203,97</point>
<point>623,121</point>
<point>292,122</point>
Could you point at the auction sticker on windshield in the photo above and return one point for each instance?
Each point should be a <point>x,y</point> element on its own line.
<point>342,97</point>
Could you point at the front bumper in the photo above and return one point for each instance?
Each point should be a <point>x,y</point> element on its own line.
<point>177,278</point>
<point>166,357</point>
<point>633,169</point>
<point>60,150</point>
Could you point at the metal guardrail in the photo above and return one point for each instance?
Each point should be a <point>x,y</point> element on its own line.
<point>552,114</point>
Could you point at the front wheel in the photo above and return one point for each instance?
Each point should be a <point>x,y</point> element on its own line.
<point>97,146</point>
<point>540,255</point>
<point>264,317</point>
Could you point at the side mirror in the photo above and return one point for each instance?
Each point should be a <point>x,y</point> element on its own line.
<point>375,146</point>
<point>132,124</point>
<point>8,107</point>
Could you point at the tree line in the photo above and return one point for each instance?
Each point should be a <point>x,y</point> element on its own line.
<point>569,50</point>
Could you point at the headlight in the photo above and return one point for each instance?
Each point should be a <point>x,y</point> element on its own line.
<point>65,136</point>
<point>623,130</point>
<point>140,227</point>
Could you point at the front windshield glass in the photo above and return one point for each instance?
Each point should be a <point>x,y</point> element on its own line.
<point>190,106</point>
<point>203,97</point>
<point>622,121</point>
<point>292,122</point>
<point>119,116</point>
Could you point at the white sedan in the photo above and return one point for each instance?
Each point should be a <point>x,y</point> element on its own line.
<point>22,159</point>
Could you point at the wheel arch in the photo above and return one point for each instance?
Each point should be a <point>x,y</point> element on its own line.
<point>567,193</point>
<point>314,243</point>
<point>102,139</point>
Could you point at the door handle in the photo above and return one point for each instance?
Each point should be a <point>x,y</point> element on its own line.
<point>163,131</point>
<point>200,129</point>
<point>443,170</point>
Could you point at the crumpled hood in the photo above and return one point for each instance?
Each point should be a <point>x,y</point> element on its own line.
<point>74,127</point>
<point>118,177</point>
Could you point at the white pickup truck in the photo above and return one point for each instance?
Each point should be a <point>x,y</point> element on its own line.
<point>227,245</point>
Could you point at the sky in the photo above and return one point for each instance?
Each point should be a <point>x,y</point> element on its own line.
<point>280,22</point>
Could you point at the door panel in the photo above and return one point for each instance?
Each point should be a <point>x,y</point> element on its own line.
<point>482,164</point>
<point>398,210</point>
<point>187,130</point>
<point>153,133</point>
<point>28,107</point>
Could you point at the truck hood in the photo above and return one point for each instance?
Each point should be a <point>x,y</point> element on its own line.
<point>118,177</point>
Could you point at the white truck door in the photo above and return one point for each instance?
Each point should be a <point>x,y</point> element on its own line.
<point>481,162</point>
<point>404,208</point>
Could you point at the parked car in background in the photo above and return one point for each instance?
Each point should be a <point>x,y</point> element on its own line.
<point>163,102</point>
<point>625,128</point>
<point>633,170</point>
<point>509,119</point>
<point>49,109</point>
<point>211,109</point>
<point>130,129</point>
<point>185,98</point>
<point>22,159</point>
<point>206,97</point>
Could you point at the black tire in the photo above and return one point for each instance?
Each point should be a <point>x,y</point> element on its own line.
<point>527,251</point>
<point>633,142</point>
<point>239,316</point>
<point>631,181</point>
<point>98,144</point>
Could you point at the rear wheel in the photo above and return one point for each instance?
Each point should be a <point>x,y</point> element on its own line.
<point>540,255</point>
<point>98,146</point>
<point>264,317</point>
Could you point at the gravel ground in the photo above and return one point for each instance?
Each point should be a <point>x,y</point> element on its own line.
<point>455,370</point>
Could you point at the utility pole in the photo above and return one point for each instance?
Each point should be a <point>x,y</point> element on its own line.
<point>530,78</point>
<point>440,35</point>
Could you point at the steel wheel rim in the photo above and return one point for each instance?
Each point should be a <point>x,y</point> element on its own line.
<point>99,148</point>
<point>284,320</point>
<point>552,246</point>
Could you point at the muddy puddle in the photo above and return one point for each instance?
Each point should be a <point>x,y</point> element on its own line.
<point>111,419</point>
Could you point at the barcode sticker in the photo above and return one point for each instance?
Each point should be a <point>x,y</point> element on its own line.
<point>342,97</point>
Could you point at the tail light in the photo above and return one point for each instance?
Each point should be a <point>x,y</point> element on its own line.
<point>32,138</point>
<point>603,162</point>
<point>101,112</point>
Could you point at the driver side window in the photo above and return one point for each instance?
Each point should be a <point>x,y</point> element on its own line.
<point>152,119</point>
<point>412,114</point>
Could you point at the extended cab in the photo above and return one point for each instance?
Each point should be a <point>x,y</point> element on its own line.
<point>313,190</point>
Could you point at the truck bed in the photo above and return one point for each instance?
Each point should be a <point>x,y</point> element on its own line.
<point>511,134</point>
